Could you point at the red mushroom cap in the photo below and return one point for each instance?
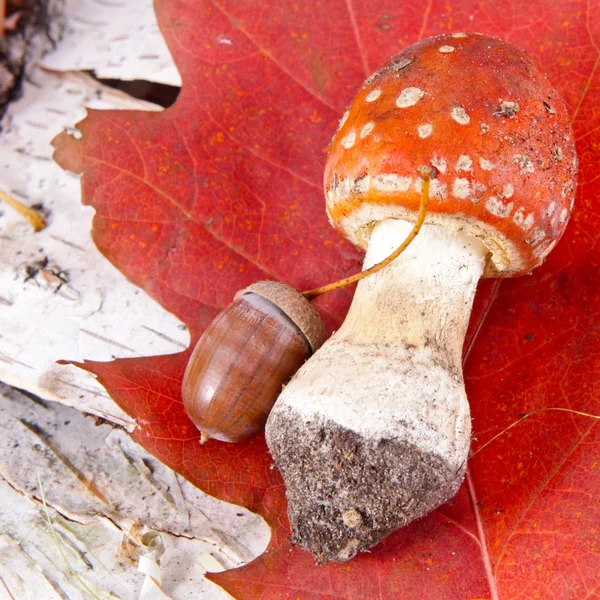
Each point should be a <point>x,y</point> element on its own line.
<point>484,115</point>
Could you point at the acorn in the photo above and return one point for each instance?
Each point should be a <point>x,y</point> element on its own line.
<point>244,358</point>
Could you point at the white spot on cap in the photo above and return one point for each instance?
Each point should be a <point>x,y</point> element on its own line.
<point>464,163</point>
<point>459,114</point>
<point>330,195</point>
<point>425,130</point>
<point>519,216</point>
<point>349,140</point>
<point>524,222</point>
<point>524,162</point>
<point>564,215</point>
<point>537,252</point>
<point>461,188</point>
<point>508,191</point>
<point>484,127</point>
<point>459,35</point>
<point>437,189</point>
<point>567,188</point>
<point>508,108</point>
<point>537,235</point>
<point>339,189</point>
<point>551,208</point>
<point>409,97</point>
<point>344,119</point>
<point>366,130</point>
<point>345,186</point>
<point>544,249</point>
<point>557,153</point>
<point>392,183</point>
<point>440,164</point>
<point>373,96</point>
<point>478,190</point>
<point>446,49</point>
<point>485,164</point>
<point>498,208</point>
<point>361,184</point>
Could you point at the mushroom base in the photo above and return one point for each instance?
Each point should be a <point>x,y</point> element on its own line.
<point>346,493</point>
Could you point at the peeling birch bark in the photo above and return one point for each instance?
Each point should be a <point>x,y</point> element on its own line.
<point>123,42</point>
<point>118,513</point>
<point>59,297</point>
<point>129,526</point>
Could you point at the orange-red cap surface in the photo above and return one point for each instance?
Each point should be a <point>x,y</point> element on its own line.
<point>484,115</point>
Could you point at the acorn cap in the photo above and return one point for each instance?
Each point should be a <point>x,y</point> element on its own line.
<point>297,308</point>
<point>483,114</point>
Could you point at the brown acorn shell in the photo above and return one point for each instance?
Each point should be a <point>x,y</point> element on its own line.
<point>239,367</point>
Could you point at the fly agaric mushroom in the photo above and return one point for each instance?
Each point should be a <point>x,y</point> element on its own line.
<point>374,430</point>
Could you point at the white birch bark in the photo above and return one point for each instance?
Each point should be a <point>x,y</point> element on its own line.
<point>96,313</point>
<point>129,527</point>
<point>117,513</point>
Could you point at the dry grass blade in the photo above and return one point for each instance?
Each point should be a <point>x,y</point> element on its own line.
<point>425,174</point>
<point>37,221</point>
<point>59,546</point>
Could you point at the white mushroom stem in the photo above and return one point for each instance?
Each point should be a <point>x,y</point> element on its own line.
<point>391,374</point>
<point>394,367</point>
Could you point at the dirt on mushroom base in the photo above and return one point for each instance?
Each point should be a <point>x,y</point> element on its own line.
<point>352,492</point>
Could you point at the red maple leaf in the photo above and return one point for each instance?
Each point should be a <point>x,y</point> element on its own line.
<point>224,189</point>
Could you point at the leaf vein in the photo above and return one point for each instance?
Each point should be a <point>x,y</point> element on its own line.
<point>272,58</point>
